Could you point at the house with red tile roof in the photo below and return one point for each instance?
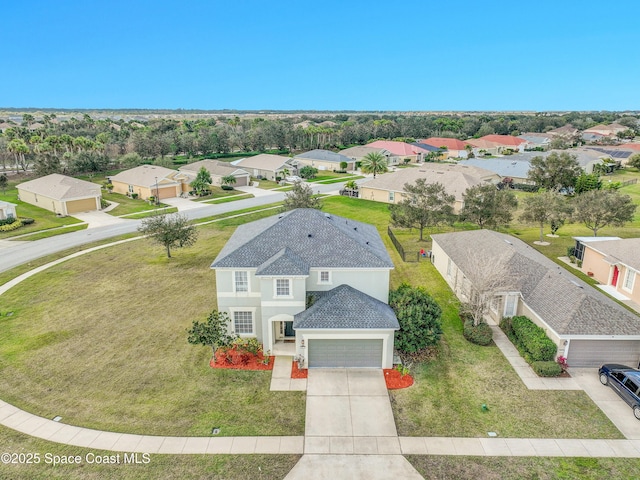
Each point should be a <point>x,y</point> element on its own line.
<point>455,148</point>
<point>401,149</point>
<point>497,144</point>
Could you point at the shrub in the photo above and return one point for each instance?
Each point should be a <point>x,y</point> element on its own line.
<point>419,318</point>
<point>480,334</point>
<point>11,226</point>
<point>248,345</point>
<point>547,368</point>
<point>8,220</point>
<point>226,187</point>
<point>525,187</point>
<point>278,179</point>
<point>134,195</point>
<point>571,252</point>
<point>27,221</point>
<point>533,339</point>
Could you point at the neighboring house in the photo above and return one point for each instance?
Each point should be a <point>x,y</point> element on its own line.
<point>312,278</point>
<point>152,181</point>
<point>613,262</point>
<point>610,130</point>
<point>566,132</point>
<point>401,150</point>
<point>454,148</point>
<point>359,152</point>
<point>456,179</point>
<point>61,194</point>
<point>588,327</point>
<point>218,170</point>
<point>536,140</point>
<point>7,210</point>
<point>324,160</point>
<point>504,167</point>
<point>497,144</point>
<point>589,157</point>
<point>4,126</point>
<point>592,136</point>
<point>266,166</point>
<point>442,154</point>
<point>620,154</point>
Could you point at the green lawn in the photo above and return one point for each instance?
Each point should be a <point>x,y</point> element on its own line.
<point>129,205</point>
<point>233,198</point>
<point>267,184</point>
<point>44,219</point>
<point>52,232</point>
<point>217,192</point>
<point>123,363</point>
<point>228,467</point>
<point>517,468</point>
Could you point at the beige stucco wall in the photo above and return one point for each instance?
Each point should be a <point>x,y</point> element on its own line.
<point>321,165</point>
<point>378,195</point>
<point>634,294</point>
<point>594,262</point>
<point>146,192</point>
<point>42,201</point>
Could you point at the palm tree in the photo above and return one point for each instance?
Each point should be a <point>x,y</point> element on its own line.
<point>228,180</point>
<point>374,162</point>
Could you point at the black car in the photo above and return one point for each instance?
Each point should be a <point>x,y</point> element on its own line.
<point>625,381</point>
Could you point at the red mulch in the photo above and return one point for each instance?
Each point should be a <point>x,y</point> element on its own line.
<point>297,373</point>
<point>235,360</point>
<point>396,380</point>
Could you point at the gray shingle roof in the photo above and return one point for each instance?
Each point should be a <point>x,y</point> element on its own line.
<point>325,156</point>
<point>346,307</point>
<point>623,251</point>
<point>566,303</point>
<point>285,262</point>
<point>505,167</point>
<point>316,238</point>
<point>61,187</point>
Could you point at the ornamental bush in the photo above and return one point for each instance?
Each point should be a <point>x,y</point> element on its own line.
<point>547,368</point>
<point>533,339</point>
<point>11,226</point>
<point>419,317</point>
<point>27,221</point>
<point>480,334</point>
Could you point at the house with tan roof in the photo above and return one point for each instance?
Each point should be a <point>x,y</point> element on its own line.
<point>610,130</point>
<point>567,132</point>
<point>454,148</point>
<point>218,170</point>
<point>151,181</point>
<point>266,166</point>
<point>61,194</point>
<point>497,144</point>
<point>587,326</point>
<point>401,150</point>
<point>358,152</point>
<point>456,179</point>
<point>324,160</point>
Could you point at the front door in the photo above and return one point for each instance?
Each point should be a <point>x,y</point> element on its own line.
<point>288,329</point>
<point>616,272</point>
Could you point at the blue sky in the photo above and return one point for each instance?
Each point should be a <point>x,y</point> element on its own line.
<point>331,55</point>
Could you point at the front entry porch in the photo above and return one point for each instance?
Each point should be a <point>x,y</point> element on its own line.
<point>281,347</point>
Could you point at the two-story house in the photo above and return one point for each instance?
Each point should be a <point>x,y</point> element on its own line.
<point>310,283</point>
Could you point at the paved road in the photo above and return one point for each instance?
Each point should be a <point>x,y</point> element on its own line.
<point>13,254</point>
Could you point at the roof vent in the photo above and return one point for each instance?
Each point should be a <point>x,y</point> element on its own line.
<point>355,228</point>
<point>367,242</point>
<point>326,215</point>
<point>309,235</point>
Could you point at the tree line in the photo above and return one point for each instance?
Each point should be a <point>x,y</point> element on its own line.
<point>85,144</point>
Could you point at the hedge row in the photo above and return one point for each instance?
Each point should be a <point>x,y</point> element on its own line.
<point>547,369</point>
<point>11,226</point>
<point>533,339</point>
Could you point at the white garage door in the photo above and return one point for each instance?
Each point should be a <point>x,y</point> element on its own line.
<point>345,353</point>
<point>593,353</point>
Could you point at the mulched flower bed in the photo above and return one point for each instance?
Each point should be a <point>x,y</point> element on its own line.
<point>396,380</point>
<point>239,360</point>
<point>297,373</point>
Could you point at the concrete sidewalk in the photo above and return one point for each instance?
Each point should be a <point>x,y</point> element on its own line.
<point>281,380</point>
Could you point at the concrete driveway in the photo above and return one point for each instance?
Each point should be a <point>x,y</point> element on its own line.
<point>99,219</point>
<point>608,401</point>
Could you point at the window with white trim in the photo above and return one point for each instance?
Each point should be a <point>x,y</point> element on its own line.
<point>392,196</point>
<point>510,306</point>
<point>629,279</point>
<point>241,280</point>
<point>243,322</point>
<point>283,287</point>
<point>324,276</point>
<point>449,268</point>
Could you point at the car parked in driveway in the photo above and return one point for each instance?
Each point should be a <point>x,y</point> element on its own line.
<point>625,381</point>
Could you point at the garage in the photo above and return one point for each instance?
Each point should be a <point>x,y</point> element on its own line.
<point>593,353</point>
<point>167,192</point>
<point>84,205</point>
<point>360,353</point>
<point>241,181</point>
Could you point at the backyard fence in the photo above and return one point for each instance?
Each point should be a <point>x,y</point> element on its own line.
<point>407,256</point>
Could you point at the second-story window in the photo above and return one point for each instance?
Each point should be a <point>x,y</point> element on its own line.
<point>242,281</point>
<point>325,277</point>
<point>283,287</point>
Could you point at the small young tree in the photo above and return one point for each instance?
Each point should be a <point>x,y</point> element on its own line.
<point>343,166</point>
<point>202,182</point>
<point>4,181</point>
<point>215,332</point>
<point>599,208</point>
<point>351,185</point>
<point>308,171</point>
<point>170,230</point>
<point>634,161</point>
<point>588,181</point>
<point>301,196</point>
<point>423,205</point>
<point>419,317</point>
<point>543,208</point>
